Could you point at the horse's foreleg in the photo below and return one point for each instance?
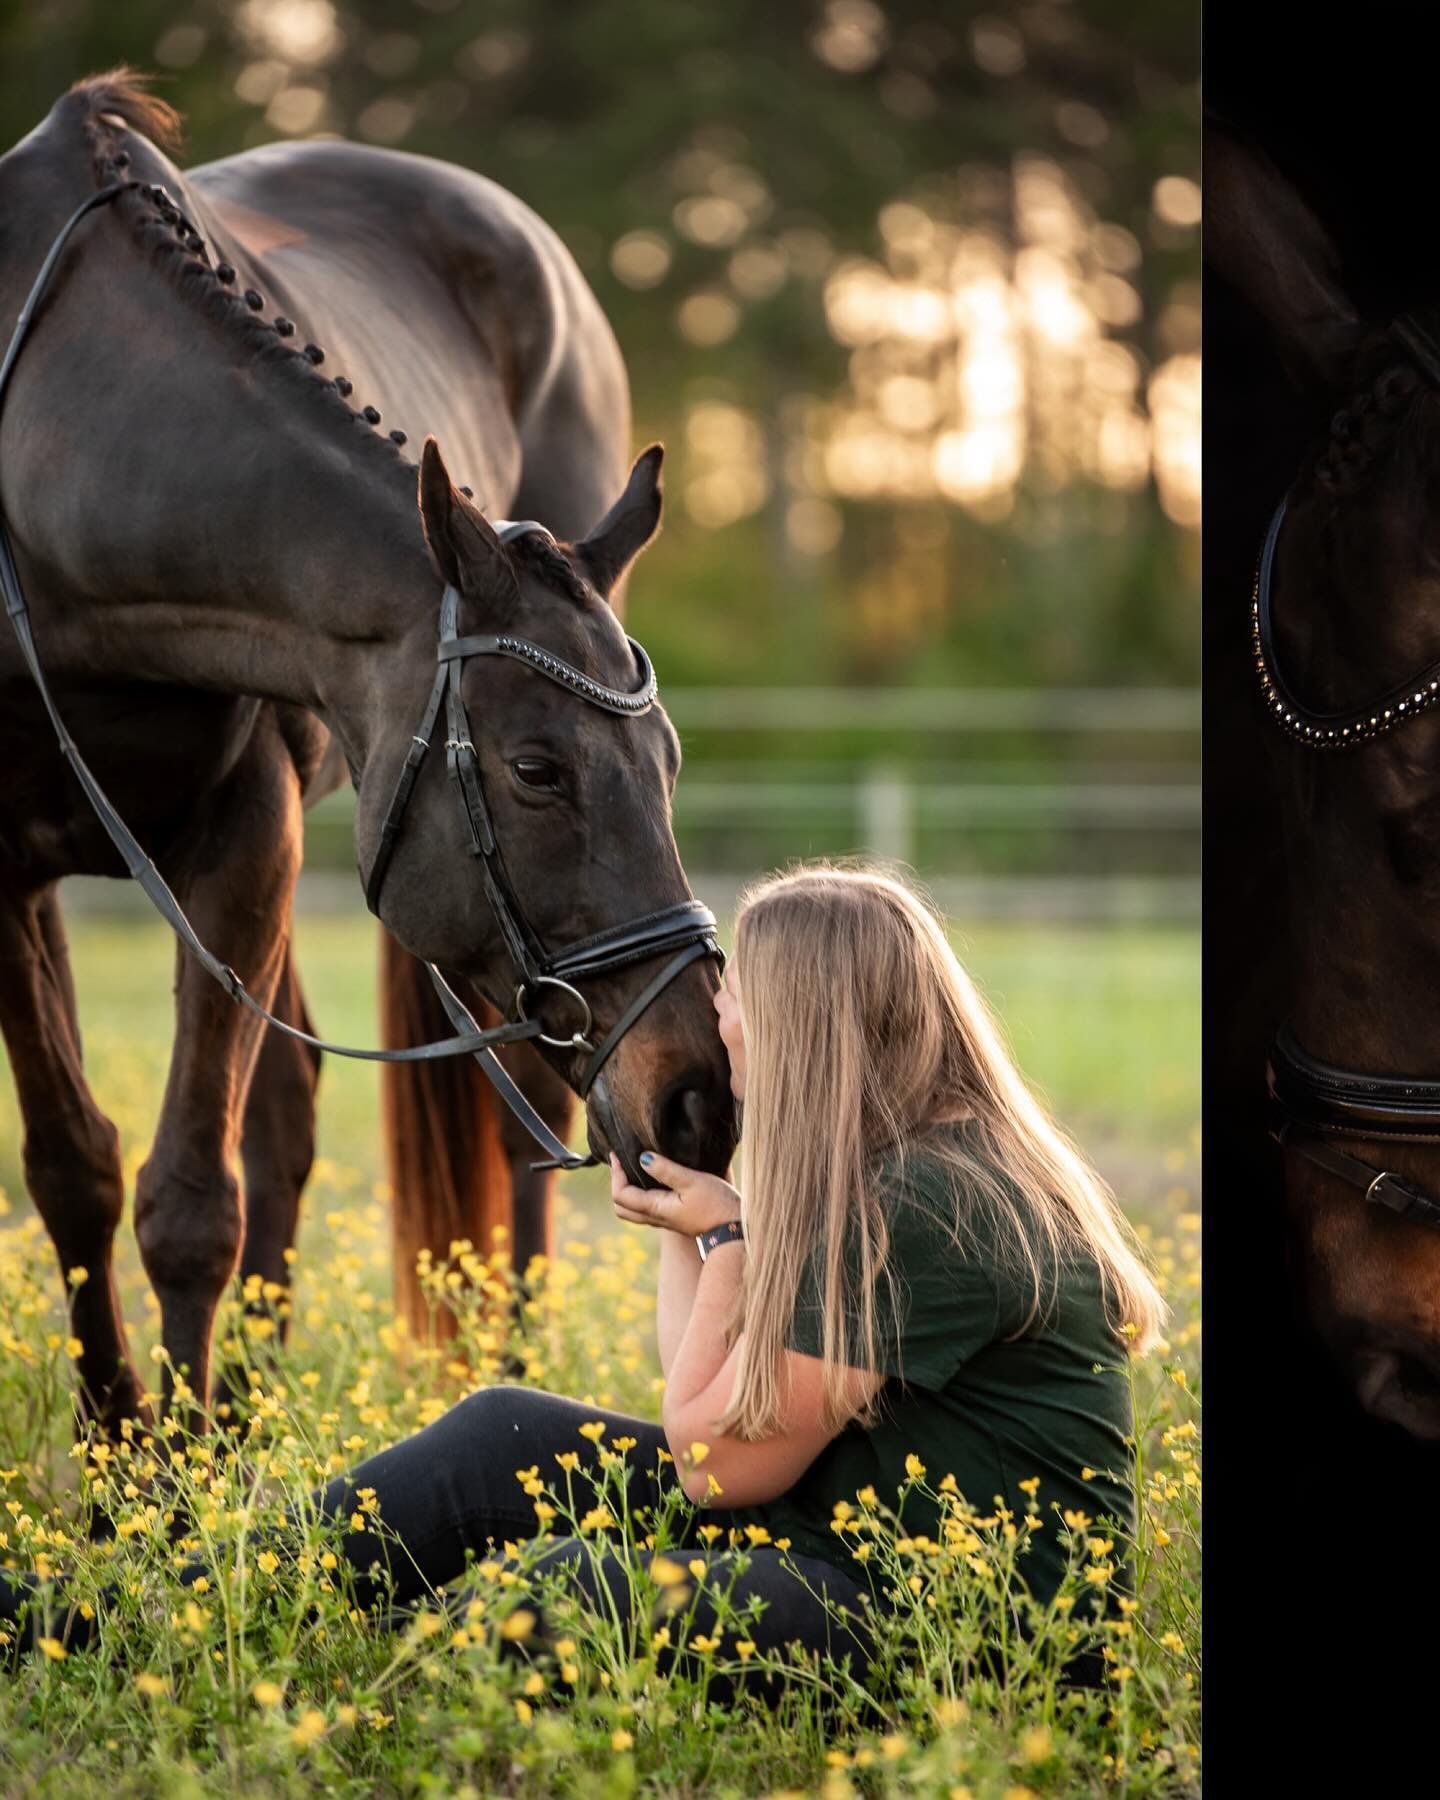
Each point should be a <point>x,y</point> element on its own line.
<point>72,1150</point>
<point>277,1147</point>
<point>237,882</point>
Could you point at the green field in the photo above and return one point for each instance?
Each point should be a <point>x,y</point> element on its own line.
<point>268,1686</point>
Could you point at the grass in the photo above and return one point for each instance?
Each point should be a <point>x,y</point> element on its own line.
<point>268,1684</point>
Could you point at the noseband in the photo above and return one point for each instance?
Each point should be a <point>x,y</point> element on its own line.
<point>685,932</point>
<point>1313,1101</point>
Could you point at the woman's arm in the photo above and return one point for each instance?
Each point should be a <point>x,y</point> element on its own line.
<point>734,1471</point>
<point>675,1294</point>
<point>701,1374</point>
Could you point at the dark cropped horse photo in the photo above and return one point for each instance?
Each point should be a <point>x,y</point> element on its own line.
<point>266,415</point>
<point>1322,892</point>
<point>1327,656</point>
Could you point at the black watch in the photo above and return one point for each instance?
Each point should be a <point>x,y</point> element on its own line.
<point>731,1232</point>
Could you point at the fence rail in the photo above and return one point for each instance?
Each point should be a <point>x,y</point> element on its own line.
<point>1103,826</point>
<point>1145,709</point>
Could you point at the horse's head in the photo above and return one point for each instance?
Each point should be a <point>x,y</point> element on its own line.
<point>577,797</point>
<point>1353,629</point>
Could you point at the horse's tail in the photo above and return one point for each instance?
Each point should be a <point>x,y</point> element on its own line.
<point>449,1174</point>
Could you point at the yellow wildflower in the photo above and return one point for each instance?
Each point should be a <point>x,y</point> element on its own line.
<point>309,1726</point>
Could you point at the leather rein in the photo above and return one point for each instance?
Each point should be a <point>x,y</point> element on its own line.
<point>686,932</point>
<point>1314,1101</point>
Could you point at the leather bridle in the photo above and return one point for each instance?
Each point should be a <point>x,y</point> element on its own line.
<point>685,932</point>
<point>1313,1101</point>
<point>687,929</point>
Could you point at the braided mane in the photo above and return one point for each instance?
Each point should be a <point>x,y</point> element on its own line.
<point>121,98</point>
<point>118,100</point>
<point>1370,424</point>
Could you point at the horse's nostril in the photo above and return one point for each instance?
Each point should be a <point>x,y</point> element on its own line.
<point>689,1119</point>
<point>1401,1387</point>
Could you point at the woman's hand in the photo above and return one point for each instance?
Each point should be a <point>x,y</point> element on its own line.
<point>690,1203</point>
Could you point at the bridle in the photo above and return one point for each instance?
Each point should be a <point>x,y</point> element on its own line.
<point>687,929</point>
<point>1313,1101</point>
<point>685,932</point>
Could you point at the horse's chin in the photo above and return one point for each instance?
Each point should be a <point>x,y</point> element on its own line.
<point>605,1132</point>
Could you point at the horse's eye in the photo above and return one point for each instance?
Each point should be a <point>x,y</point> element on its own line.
<point>536,772</point>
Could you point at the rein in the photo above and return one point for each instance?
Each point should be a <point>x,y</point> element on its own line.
<point>687,929</point>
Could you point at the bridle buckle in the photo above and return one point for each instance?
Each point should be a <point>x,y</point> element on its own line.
<point>1384,1175</point>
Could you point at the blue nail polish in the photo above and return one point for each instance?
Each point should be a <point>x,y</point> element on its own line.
<point>646,1157</point>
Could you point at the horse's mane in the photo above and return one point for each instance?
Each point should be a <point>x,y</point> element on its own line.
<point>121,96</point>
<point>126,92</point>
<point>1372,421</point>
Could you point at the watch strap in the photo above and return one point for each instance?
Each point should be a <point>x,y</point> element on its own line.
<point>731,1232</point>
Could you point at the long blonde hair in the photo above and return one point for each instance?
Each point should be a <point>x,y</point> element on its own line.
<point>862,1033</point>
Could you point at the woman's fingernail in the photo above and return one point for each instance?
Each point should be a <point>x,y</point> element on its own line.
<point>646,1157</point>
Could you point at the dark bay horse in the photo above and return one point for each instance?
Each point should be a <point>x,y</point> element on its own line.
<point>207,468</point>
<point>1328,906</point>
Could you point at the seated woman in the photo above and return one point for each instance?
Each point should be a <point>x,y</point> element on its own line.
<point>917,1264</point>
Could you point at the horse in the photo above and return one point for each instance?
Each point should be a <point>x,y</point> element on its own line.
<point>236,582</point>
<point>1329,785</point>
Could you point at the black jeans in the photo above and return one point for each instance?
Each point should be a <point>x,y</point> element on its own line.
<point>452,1489</point>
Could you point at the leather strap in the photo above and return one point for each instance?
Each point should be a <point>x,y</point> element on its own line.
<point>1324,1098</point>
<point>637,940</point>
<point>544,662</point>
<point>1381,1186</point>
<point>558,1155</point>
<point>651,991</point>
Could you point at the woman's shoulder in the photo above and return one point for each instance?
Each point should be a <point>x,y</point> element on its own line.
<point>934,1173</point>
<point>934,1201</point>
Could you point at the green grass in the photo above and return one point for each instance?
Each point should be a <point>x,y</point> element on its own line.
<point>266,1685</point>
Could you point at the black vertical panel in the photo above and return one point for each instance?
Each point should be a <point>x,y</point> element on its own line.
<point>1322,1529</point>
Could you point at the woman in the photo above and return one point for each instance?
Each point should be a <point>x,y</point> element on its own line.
<point>921,1266</point>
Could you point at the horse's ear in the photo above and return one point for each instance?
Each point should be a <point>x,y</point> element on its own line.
<point>1263,238</point>
<point>462,541</point>
<point>609,548</point>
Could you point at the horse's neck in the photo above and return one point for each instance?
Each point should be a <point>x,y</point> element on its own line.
<point>188,516</point>
<point>184,510</point>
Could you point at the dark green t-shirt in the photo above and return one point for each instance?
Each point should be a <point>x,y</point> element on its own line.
<point>990,1413</point>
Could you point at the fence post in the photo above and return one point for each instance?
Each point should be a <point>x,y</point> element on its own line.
<point>887,812</point>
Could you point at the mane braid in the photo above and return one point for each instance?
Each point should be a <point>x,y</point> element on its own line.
<point>175,245</point>
<point>554,566</point>
<point>1368,425</point>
